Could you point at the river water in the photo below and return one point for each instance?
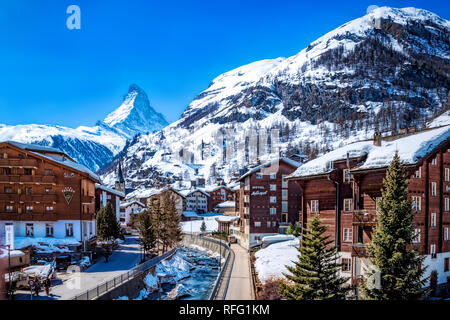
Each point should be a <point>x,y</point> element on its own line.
<point>200,281</point>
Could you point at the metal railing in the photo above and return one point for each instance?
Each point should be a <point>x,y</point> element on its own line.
<point>108,285</point>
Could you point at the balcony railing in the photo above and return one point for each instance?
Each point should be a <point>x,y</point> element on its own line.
<point>365,217</point>
<point>87,199</point>
<point>359,250</point>
<point>9,197</point>
<point>38,198</point>
<point>20,163</point>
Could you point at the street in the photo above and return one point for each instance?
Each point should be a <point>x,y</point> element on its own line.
<point>125,257</point>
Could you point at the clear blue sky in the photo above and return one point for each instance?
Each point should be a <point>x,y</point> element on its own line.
<point>172,49</point>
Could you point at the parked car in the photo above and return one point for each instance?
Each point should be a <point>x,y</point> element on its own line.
<point>62,262</point>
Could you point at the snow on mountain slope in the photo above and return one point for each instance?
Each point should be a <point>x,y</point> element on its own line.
<point>95,146</point>
<point>90,146</point>
<point>385,71</point>
<point>135,115</point>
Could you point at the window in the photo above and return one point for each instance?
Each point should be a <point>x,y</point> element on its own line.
<point>273,175</point>
<point>48,190</point>
<point>257,224</point>
<point>446,204</point>
<point>434,161</point>
<point>447,174</point>
<point>49,230</point>
<point>446,264</point>
<point>9,208</point>
<point>416,238</point>
<point>284,218</point>
<point>418,173</point>
<point>246,210</point>
<point>314,206</point>
<point>269,224</point>
<point>433,250</point>
<point>284,194</point>
<point>346,264</point>
<point>259,176</point>
<point>416,203</point>
<point>273,199</point>
<point>284,182</point>
<point>8,190</point>
<point>348,205</point>
<point>29,230</point>
<point>347,176</point>
<point>28,190</point>
<point>446,234</point>
<point>48,172</point>
<point>27,171</point>
<point>348,235</point>
<point>273,210</point>
<point>49,208</point>
<point>69,229</point>
<point>284,206</point>
<point>273,187</point>
<point>433,219</point>
<point>7,171</point>
<point>433,189</point>
<point>274,224</point>
<point>29,209</point>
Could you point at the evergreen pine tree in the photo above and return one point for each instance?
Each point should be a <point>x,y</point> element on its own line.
<point>107,225</point>
<point>172,221</point>
<point>156,219</point>
<point>294,229</point>
<point>146,230</point>
<point>315,276</point>
<point>397,263</point>
<point>203,226</point>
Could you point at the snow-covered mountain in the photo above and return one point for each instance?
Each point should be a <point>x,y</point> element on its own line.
<point>135,115</point>
<point>94,146</point>
<point>384,71</point>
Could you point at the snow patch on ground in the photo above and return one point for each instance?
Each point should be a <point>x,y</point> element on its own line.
<point>271,261</point>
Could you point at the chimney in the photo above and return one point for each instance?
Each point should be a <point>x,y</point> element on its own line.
<point>377,139</point>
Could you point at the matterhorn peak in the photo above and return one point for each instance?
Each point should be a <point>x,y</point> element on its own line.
<point>135,115</point>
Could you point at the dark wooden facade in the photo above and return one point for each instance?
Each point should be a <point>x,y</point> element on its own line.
<point>257,197</point>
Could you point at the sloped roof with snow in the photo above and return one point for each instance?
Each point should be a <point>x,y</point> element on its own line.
<point>268,164</point>
<point>110,190</point>
<point>35,147</point>
<point>226,204</point>
<point>411,149</point>
<point>129,203</point>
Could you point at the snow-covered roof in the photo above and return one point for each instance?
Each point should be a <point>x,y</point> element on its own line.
<point>226,204</point>
<point>227,218</point>
<point>214,188</point>
<point>410,148</point>
<point>110,190</point>
<point>12,253</point>
<point>147,193</point>
<point>129,203</point>
<point>442,120</point>
<point>73,165</point>
<point>35,147</point>
<point>268,164</point>
<point>201,190</point>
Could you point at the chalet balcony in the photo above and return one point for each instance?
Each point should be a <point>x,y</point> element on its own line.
<point>10,197</point>
<point>365,217</point>
<point>18,163</point>
<point>87,199</point>
<point>359,250</point>
<point>26,179</point>
<point>47,198</point>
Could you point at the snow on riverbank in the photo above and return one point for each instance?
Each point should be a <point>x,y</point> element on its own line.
<point>271,261</point>
<point>210,253</point>
<point>46,245</point>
